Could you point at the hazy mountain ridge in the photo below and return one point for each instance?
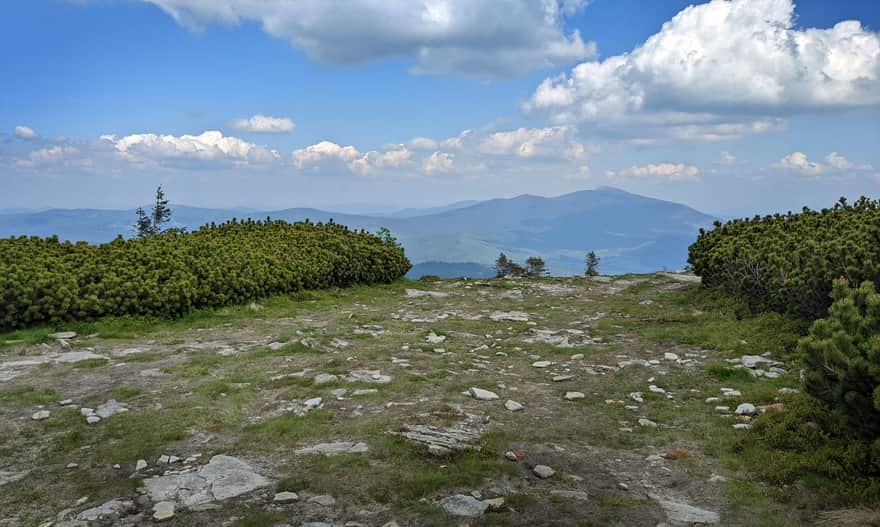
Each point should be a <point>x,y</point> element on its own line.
<point>632,233</point>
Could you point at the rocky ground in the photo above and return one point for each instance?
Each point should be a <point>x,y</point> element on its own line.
<point>458,402</point>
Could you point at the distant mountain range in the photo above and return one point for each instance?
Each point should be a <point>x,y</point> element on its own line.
<point>631,233</point>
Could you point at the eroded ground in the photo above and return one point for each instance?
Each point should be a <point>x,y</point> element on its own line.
<point>378,405</point>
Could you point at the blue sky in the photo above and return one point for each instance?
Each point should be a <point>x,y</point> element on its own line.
<point>733,107</point>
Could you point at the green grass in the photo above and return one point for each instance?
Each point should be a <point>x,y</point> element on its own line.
<point>90,363</point>
<point>289,428</point>
<point>27,396</point>
<point>124,393</point>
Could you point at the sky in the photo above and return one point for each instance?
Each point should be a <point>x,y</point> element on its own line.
<point>734,107</point>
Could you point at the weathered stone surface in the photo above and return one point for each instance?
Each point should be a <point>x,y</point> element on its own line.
<point>746,409</point>
<point>164,510</point>
<point>513,406</point>
<point>570,494</point>
<point>680,513</point>
<point>285,497</point>
<point>482,395</point>
<point>108,511</point>
<point>222,478</point>
<point>434,338</point>
<point>110,408</point>
<point>371,376</point>
<point>329,449</point>
<point>39,416</point>
<point>325,378</point>
<point>324,500</point>
<point>543,471</point>
<point>448,438</point>
<point>509,316</point>
<point>77,356</point>
<point>416,293</point>
<point>63,335</point>
<point>573,396</point>
<point>461,505</point>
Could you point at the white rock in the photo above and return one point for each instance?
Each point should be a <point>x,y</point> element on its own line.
<point>741,426</point>
<point>313,403</point>
<point>325,378</point>
<point>462,505</point>
<point>746,409</point>
<point>285,497</point>
<point>573,396</point>
<point>647,422</point>
<point>324,500</point>
<point>577,356</point>
<point>140,465</point>
<point>434,338</point>
<point>513,406</point>
<point>637,397</point>
<point>543,471</point>
<point>670,356</point>
<point>63,335</point>
<point>92,419</point>
<point>164,510</point>
<point>482,395</point>
<point>542,364</point>
<point>39,416</point>
<point>329,449</point>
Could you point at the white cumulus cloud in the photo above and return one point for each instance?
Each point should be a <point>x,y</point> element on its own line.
<point>264,124</point>
<point>208,146</point>
<point>25,132</point>
<point>531,142</point>
<point>56,156</point>
<point>798,161</point>
<point>717,57</point>
<point>471,37</point>
<point>325,150</point>
<point>668,171</point>
<point>438,162</point>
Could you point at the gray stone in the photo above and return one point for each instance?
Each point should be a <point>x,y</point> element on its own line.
<point>108,511</point>
<point>39,416</point>
<point>110,408</point>
<point>285,497</point>
<point>313,403</point>
<point>329,449</point>
<point>513,406</point>
<point>324,500</point>
<point>371,376</point>
<point>543,471</point>
<point>682,513</point>
<point>416,293</point>
<point>647,423</point>
<point>509,316</point>
<point>164,510</point>
<point>77,356</point>
<point>746,409</point>
<point>325,378</point>
<point>446,438</point>
<point>542,364</point>
<point>570,494</point>
<point>63,335</point>
<point>461,505</point>
<point>222,478</point>
<point>482,395</point>
<point>573,396</point>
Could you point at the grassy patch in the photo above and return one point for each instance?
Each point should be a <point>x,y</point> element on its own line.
<point>290,427</point>
<point>27,396</point>
<point>122,393</point>
<point>90,363</point>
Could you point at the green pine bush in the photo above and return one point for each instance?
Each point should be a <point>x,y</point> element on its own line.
<point>786,263</point>
<point>842,357</point>
<point>46,281</point>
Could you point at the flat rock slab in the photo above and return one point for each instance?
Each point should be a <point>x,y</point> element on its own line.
<point>371,376</point>
<point>679,513</point>
<point>111,510</point>
<point>63,335</point>
<point>461,505</point>
<point>329,449</point>
<point>416,293</point>
<point>77,356</point>
<point>441,440</point>
<point>509,316</point>
<point>222,478</point>
<point>481,394</point>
